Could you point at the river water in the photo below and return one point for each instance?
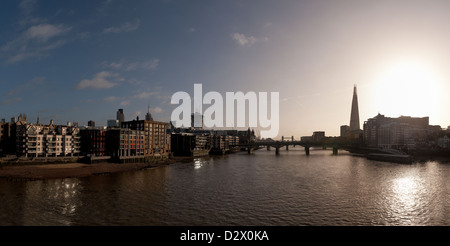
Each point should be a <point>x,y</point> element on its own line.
<point>261,189</point>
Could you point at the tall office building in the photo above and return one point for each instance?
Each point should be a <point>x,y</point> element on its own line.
<point>120,116</point>
<point>354,116</point>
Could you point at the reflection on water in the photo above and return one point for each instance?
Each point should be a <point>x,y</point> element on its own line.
<point>405,200</point>
<point>59,198</point>
<point>198,163</point>
<point>241,189</point>
<point>405,192</point>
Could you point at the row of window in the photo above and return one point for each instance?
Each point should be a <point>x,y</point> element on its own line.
<point>57,144</point>
<point>53,150</point>
<point>130,137</point>
<point>49,139</point>
<point>129,147</point>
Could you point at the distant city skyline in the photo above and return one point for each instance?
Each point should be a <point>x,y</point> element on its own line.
<point>82,61</point>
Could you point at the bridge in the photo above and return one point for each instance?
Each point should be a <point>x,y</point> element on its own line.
<point>334,143</point>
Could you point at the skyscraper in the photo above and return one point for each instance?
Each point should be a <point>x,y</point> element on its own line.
<point>120,116</point>
<point>354,116</point>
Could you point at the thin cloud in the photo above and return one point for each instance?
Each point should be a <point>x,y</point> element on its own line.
<point>150,65</point>
<point>100,81</point>
<point>38,38</point>
<point>112,99</point>
<point>31,85</point>
<point>25,46</point>
<point>10,101</point>
<point>131,66</point>
<point>26,10</point>
<point>125,27</point>
<point>114,65</point>
<point>146,95</point>
<point>27,6</point>
<point>136,114</point>
<point>244,40</point>
<point>124,103</point>
<point>268,24</point>
<point>156,110</point>
<point>44,32</point>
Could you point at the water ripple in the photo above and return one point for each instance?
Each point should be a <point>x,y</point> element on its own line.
<point>241,189</point>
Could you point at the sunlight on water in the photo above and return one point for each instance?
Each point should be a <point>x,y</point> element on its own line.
<point>405,199</point>
<point>405,190</point>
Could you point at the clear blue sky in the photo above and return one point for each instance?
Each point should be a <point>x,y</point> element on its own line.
<point>82,60</point>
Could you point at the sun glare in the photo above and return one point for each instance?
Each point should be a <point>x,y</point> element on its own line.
<point>406,89</point>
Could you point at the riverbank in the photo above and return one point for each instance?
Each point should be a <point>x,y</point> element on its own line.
<point>73,170</point>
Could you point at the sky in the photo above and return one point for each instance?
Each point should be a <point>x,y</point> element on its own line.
<point>75,61</point>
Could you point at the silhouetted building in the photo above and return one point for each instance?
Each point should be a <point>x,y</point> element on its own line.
<point>7,138</point>
<point>318,136</point>
<point>220,144</point>
<point>148,116</point>
<point>93,141</point>
<point>396,133</point>
<point>354,116</point>
<point>306,138</point>
<point>443,142</point>
<point>190,144</point>
<point>120,116</point>
<point>345,130</point>
<point>91,123</point>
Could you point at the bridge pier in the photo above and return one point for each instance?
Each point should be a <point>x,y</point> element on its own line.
<point>307,150</point>
<point>268,147</point>
<point>277,150</point>
<point>287,146</point>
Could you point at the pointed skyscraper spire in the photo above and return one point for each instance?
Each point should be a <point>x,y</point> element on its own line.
<point>148,116</point>
<point>354,116</point>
